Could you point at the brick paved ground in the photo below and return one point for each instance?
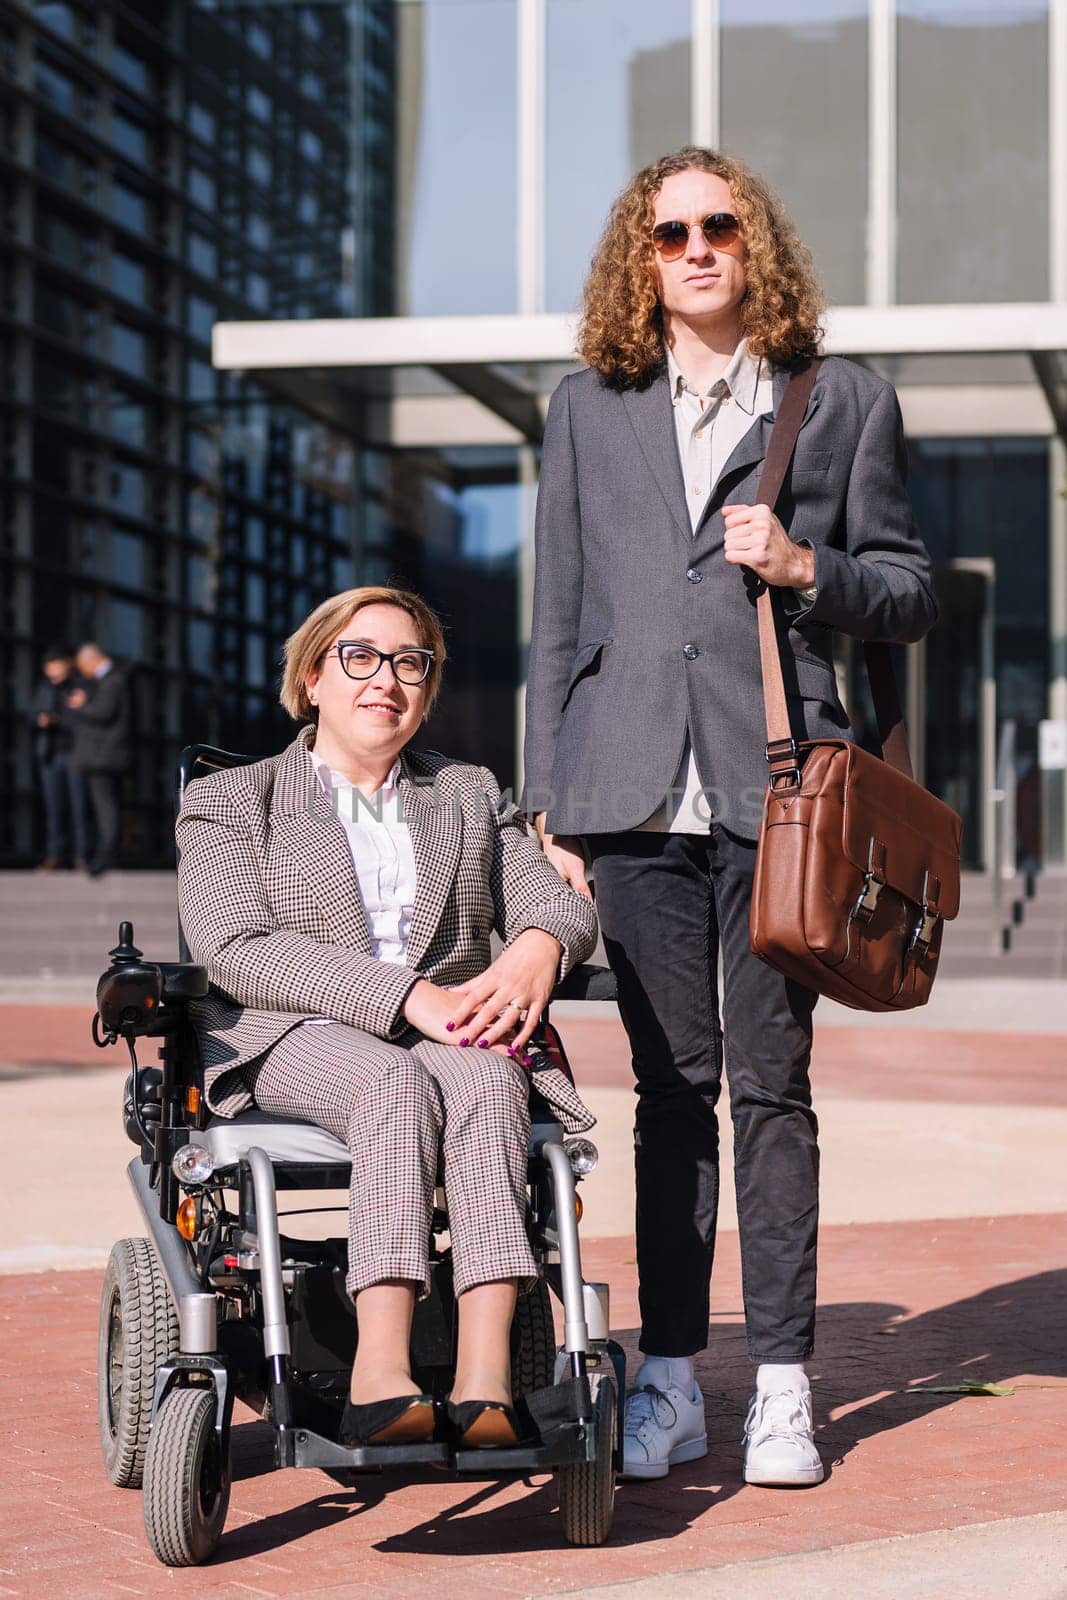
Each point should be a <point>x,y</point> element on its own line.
<point>903,1303</point>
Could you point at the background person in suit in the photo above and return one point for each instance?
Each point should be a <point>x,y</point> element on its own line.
<point>645,733</point>
<point>101,750</point>
<point>65,822</point>
<point>342,895</point>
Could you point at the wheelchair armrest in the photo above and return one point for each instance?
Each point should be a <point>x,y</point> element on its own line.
<point>587,983</point>
<point>183,980</point>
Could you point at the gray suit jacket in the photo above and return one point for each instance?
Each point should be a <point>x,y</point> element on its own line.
<point>269,903</point>
<point>641,629</point>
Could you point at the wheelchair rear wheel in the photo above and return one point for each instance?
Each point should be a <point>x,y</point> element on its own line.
<point>186,1479</point>
<point>138,1331</point>
<point>533,1341</point>
<point>587,1488</point>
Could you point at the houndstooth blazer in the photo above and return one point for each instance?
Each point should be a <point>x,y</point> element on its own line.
<point>269,903</point>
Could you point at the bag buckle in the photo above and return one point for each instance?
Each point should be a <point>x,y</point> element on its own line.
<point>867,901</point>
<point>873,884</point>
<point>779,750</point>
<point>923,932</point>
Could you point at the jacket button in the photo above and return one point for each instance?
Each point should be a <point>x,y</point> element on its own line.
<point>694,576</point>
<point>690,652</point>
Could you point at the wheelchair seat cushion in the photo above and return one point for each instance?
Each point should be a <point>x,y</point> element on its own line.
<point>286,1139</point>
<point>283,1139</point>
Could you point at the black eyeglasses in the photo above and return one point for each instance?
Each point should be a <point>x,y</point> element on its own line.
<point>671,239</point>
<point>363,660</point>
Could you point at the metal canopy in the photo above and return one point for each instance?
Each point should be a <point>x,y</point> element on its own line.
<point>436,381</point>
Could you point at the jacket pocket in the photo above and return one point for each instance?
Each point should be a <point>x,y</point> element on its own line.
<point>810,462</point>
<point>815,680</point>
<point>585,658</point>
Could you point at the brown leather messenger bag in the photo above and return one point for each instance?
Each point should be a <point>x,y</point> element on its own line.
<point>858,866</point>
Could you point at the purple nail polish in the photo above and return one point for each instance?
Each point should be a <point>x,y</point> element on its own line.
<point>483,1044</point>
<point>464,1041</point>
<point>511,1052</point>
<point>449,1027</point>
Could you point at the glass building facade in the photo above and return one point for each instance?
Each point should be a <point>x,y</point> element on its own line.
<point>167,166</point>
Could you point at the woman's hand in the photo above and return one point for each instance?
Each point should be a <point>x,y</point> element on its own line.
<point>563,852</point>
<point>432,1011</point>
<point>521,979</point>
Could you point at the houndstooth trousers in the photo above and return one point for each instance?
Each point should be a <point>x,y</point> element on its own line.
<point>395,1107</point>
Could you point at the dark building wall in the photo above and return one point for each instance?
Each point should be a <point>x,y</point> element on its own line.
<point>163,166</point>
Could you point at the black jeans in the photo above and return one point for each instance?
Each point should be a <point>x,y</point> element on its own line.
<point>66,823</point>
<point>666,903</point>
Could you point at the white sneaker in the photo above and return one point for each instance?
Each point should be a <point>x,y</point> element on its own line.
<point>663,1427</point>
<point>780,1452</point>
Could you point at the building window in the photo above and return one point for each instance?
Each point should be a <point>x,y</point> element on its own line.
<point>130,208</point>
<point>811,64</point>
<point>201,254</point>
<point>201,122</point>
<point>129,278</point>
<point>128,565</point>
<point>200,317</point>
<point>131,139</point>
<point>200,186</point>
<point>617,81</point>
<point>128,489</point>
<point>127,419</point>
<point>446,55</point>
<point>958,165</point>
<point>129,350</point>
<point>133,71</point>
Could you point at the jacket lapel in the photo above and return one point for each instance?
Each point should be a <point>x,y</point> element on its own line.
<point>435,823</point>
<point>306,828</point>
<point>752,449</point>
<point>652,416</point>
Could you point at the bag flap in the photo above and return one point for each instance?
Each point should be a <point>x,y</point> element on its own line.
<point>914,832</point>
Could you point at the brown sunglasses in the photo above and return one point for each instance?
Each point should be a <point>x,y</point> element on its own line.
<point>671,239</point>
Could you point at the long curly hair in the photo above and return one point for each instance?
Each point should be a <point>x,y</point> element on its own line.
<point>621,331</point>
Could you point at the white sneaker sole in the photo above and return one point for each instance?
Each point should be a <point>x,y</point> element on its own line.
<point>799,1478</point>
<point>691,1450</point>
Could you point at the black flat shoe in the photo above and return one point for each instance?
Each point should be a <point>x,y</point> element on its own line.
<point>482,1425</point>
<point>409,1419</point>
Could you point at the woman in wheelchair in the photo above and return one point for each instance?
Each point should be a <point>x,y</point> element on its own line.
<point>342,895</point>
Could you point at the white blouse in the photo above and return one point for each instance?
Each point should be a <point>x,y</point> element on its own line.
<point>382,857</point>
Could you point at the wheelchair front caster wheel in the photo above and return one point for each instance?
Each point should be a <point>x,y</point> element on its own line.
<point>587,1488</point>
<point>186,1479</point>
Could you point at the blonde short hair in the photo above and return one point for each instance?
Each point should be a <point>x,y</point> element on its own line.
<point>305,648</point>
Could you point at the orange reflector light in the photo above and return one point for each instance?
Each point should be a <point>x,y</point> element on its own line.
<point>186,1218</point>
<point>192,1099</point>
<point>149,1002</point>
<point>578,1207</point>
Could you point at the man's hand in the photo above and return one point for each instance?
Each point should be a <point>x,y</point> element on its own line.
<point>756,539</point>
<point>563,852</point>
<point>520,980</point>
<point>76,699</point>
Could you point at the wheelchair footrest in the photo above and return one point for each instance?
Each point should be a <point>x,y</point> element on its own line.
<point>313,1450</point>
<point>556,1431</point>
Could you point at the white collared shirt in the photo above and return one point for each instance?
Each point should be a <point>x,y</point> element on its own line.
<point>708,429</point>
<point>382,856</point>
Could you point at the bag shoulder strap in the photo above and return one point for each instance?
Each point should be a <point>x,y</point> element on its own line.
<point>781,748</point>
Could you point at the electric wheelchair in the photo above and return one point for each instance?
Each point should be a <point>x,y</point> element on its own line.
<point>218,1303</point>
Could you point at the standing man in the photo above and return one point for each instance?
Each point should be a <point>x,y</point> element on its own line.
<point>645,734</point>
<point>65,824</point>
<point>102,747</point>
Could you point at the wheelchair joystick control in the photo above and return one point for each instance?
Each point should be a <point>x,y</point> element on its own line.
<point>125,951</point>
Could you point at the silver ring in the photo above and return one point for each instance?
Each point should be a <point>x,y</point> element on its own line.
<point>517,1005</point>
